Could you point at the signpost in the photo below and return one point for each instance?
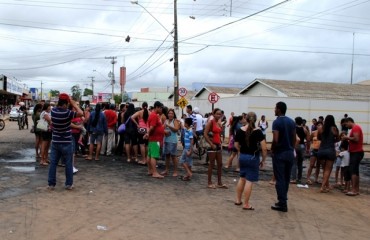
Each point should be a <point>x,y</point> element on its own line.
<point>213,98</point>
<point>182,92</point>
<point>182,102</point>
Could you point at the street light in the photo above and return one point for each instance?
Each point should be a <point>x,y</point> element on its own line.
<point>175,49</point>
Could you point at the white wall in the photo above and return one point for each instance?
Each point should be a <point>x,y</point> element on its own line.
<point>306,108</point>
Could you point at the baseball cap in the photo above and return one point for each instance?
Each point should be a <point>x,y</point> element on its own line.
<point>158,104</point>
<point>196,110</point>
<point>64,96</point>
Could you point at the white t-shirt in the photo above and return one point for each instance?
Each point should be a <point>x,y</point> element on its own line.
<point>345,158</point>
<point>199,122</point>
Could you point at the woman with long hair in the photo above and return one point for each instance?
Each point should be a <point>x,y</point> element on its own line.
<point>97,128</point>
<point>328,136</point>
<point>172,125</point>
<point>140,119</point>
<point>236,125</point>
<point>212,135</point>
<point>45,136</point>
<point>314,161</point>
<point>35,118</point>
<point>247,141</point>
<point>130,136</point>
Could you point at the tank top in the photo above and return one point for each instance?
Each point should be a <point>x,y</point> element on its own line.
<point>142,124</point>
<point>328,142</point>
<point>301,134</point>
<point>263,126</point>
<point>172,138</point>
<point>216,129</point>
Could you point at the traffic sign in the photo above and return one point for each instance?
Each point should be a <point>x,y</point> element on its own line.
<point>182,92</point>
<point>182,102</point>
<point>213,97</point>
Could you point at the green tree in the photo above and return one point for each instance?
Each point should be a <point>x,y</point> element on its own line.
<point>54,93</point>
<point>76,92</point>
<point>87,92</point>
<point>118,98</point>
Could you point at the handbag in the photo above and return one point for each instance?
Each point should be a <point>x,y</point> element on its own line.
<point>142,130</point>
<point>122,127</point>
<point>42,125</point>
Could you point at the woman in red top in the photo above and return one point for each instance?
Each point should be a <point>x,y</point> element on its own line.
<point>212,135</point>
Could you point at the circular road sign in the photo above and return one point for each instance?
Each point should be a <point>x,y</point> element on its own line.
<point>213,97</point>
<point>182,92</point>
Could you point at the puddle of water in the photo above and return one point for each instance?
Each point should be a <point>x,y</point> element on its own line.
<point>22,169</point>
<point>24,160</point>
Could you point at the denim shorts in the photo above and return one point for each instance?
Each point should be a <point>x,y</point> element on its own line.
<point>170,148</point>
<point>186,159</point>
<point>249,166</point>
<point>98,137</point>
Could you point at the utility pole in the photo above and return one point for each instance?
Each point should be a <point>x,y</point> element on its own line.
<point>353,53</point>
<point>41,91</point>
<point>92,85</point>
<point>112,75</point>
<point>176,59</point>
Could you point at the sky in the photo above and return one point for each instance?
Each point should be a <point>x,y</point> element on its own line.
<point>64,43</point>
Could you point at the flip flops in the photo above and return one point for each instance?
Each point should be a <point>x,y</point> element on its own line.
<point>224,186</point>
<point>250,208</point>
<point>352,194</point>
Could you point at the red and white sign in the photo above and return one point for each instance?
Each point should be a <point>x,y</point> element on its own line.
<point>213,97</point>
<point>182,92</point>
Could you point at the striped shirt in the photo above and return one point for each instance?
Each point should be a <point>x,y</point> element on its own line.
<point>187,138</point>
<point>61,121</point>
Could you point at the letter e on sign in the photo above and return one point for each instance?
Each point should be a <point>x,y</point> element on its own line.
<point>213,97</point>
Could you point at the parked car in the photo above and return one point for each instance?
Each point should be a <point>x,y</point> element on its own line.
<point>14,113</point>
<point>30,111</point>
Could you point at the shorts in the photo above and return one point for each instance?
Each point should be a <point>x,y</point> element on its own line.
<point>130,137</point>
<point>46,136</point>
<point>98,137</point>
<point>313,153</point>
<point>199,133</point>
<point>154,150</point>
<point>346,173</point>
<point>218,148</point>
<point>249,166</point>
<point>354,162</point>
<point>170,148</point>
<point>141,140</point>
<point>338,162</point>
<point>186,159</point>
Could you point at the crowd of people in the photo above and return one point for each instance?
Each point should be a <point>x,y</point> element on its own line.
<point>144,135</point>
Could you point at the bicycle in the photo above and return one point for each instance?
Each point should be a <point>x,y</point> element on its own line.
<point>2,123</point>
<point>21,120</point>
<point>199,148</point>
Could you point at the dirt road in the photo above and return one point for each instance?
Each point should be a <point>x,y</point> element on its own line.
<point>116,200</point>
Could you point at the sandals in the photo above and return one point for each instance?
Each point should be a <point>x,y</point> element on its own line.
<point>352,194</point>
<point>250,208</point>
<point>185,178</point>
<point>309,182</point>
<point>224,186</point>
<point>211,186</point>
<point>238,203</point>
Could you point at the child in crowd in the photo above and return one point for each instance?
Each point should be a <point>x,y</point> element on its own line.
<point>186,159</point>
<point>344,154</point>
<point>338,161</point>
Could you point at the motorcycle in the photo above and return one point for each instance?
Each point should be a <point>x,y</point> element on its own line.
<point>2,123</point>
<point>21,120</point>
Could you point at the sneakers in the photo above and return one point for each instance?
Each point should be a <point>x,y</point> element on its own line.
<point>69,187</point>
<point>279,207</point>
<point>51,188</point>
<point>75,170</point>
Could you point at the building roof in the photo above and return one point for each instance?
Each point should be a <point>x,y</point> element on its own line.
<point>319,90</point>
<point>219,90</point>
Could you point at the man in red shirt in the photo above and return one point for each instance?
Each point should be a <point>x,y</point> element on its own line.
<point>155,137</point>
<point>109,139</point>
<point>356,154</point>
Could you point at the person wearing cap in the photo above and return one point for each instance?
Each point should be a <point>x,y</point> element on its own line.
<point>155,138</point>
<point>61,144</point>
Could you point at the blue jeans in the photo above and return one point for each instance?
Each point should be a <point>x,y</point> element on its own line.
<point>58,150</point>
<point>282,165</point>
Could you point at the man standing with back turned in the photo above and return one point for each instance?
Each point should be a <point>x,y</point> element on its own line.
<point>61,144</point>
<point>282,148</point>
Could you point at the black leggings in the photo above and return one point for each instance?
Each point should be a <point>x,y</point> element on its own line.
<point>354,162</point>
